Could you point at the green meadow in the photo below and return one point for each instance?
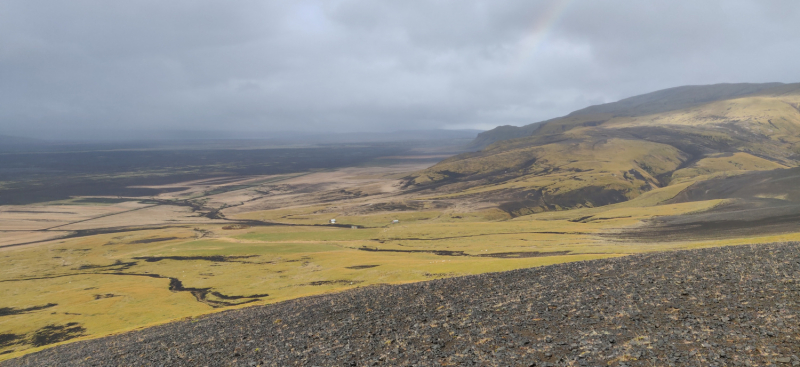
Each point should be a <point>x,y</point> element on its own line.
<point>103,284</point>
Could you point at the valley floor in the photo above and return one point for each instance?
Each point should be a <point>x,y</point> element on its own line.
<point>88,267</point>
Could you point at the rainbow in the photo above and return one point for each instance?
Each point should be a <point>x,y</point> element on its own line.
<point>541,27</point>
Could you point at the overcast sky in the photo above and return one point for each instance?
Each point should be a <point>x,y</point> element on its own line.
<point>367,65</point>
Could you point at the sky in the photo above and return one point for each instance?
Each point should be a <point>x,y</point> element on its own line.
<point>103,68</point>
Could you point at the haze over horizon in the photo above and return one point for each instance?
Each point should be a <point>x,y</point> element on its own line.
<point>94,69</point>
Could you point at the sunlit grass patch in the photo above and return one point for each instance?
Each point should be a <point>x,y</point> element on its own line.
<point>109,283</point>
<point>311,234</point>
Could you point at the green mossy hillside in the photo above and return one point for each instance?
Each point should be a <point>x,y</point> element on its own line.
<point>608,154</point>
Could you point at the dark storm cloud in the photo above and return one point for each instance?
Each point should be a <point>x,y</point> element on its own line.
<point>367,65</point>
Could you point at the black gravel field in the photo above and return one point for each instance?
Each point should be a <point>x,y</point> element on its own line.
<point>732,306</point>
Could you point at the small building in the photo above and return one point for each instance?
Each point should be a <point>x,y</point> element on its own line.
<point>333,221</point>
<point>395,221</point>
<point>354,227</point>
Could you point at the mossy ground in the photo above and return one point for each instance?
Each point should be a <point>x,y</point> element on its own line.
<point>596,159</point>
<point>106,284</point>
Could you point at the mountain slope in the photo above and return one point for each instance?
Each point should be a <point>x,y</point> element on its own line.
<point>666,100</point>
<point>678,98</point>
<point>615,152</point>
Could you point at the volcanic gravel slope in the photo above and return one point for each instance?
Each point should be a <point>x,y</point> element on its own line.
<point>720,306</point>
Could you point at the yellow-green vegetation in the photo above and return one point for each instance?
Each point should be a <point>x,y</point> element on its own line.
<point>315,215</point>
<point>108,283</point>
<point>724,164</point>
<point>561,168</point>
<point>610,154</point>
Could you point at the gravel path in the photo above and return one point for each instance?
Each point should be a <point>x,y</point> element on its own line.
<point>732,306</point>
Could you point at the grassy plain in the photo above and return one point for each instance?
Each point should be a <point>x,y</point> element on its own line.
<point>104,283</point>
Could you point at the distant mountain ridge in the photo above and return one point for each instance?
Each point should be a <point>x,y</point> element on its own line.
<point>10,143</point>
<point>677,98</point>
<point>172,140</point>
<point>614,152</point>
<point>333,135</point>
<point>665,100</point>
<point>8,139</point>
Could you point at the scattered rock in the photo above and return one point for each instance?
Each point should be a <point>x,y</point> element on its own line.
<point>721,306</point>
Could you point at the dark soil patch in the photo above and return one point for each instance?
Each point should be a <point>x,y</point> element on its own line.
<point>175,285</point>
<point>721,306</point>
<point>504,255</point>
<point>223,296</point>
<point>152,240</point>
<point>473,235</point>
<point>92,232</point>
<point>780,182</point>
<point>51,334</point>
<point>103,296</point>
<point>332,282</point>
<point>235,226</point>
<point>7,340</point>
<point>581,219</point>
<point>336,195</point>
<point>117,265</point>
<point>107,200</point>
<point>741,218</point>
<point>8,311</point>
<point>529,202</point>
<point>695,141</point>
<point>358,267</point>
<point>200,294</point>
<point>592,218</point>
<point>197,207</point>
<point>396,206</point>
<point>516,255</point>
<point>214,258</point>
<point>760,203</point>
<point>435,252</point>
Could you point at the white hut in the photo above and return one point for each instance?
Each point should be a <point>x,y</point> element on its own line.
<point>333,221</point>
<point>395,221</point>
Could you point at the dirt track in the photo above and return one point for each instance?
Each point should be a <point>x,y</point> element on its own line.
<point>722,306</point>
